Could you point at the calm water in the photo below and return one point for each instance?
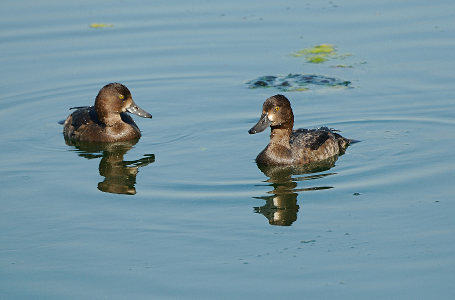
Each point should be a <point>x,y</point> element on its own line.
<point>202,221</point>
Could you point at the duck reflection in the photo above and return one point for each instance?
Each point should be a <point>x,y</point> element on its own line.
<point>119,174</point>
<point>281,206</point>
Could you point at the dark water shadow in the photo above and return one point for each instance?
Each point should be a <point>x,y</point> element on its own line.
<point>295,82</point>
<point>119,174</point>
<point>281,206</point>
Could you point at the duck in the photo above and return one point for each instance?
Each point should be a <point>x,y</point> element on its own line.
<point>107,120</point>
<point>294,147</point>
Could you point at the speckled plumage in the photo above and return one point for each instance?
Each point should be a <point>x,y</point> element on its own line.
<point>293,147</point>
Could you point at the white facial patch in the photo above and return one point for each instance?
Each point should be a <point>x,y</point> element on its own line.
<point>270,117</point>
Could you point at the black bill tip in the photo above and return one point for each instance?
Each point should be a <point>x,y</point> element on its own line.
<point>261,125</point>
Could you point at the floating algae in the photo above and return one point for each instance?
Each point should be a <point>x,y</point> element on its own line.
<point>319,49</point>
<point>295,82</point>
<point>319,53</point>
<point>100,25</point>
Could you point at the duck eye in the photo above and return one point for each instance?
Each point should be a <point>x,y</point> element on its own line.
<point>277,108</point>
<point>121,97</point>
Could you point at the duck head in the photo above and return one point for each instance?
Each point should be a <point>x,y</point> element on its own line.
<point>276,113</point>
<point>114,99</point>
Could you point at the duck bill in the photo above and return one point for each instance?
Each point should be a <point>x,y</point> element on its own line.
<point>134,109</point>
<point>261,125</point>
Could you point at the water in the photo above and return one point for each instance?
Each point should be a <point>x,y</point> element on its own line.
<point>200,220</point>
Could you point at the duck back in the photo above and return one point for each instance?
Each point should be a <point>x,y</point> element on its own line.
<point>310,145</point>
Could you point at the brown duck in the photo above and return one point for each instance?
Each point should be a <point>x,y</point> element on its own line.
<point>294,147</point>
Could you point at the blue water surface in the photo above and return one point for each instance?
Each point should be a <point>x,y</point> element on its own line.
<point>190,215</point>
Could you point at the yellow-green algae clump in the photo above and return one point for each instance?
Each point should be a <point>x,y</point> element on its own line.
<point>319,53</point>
<point>100,25</point>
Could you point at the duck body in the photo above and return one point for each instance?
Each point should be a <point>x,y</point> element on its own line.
<point>294,147</point>
<point>83,125</point>
<point>107,120</point>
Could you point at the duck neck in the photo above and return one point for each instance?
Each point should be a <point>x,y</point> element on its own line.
<point>111,119</point>
<point>107,118</point>
<point>280,136</point>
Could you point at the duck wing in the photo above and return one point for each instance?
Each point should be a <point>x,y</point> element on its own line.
<point>83,115</point>
<point>313,139</point>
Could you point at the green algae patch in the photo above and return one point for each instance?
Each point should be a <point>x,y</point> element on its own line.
<point>317,54</point>
<point>320,53</point>
<point>316,50</point>
<point>316,59</point>
<point>296,82</point>
<point>100,25</point>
